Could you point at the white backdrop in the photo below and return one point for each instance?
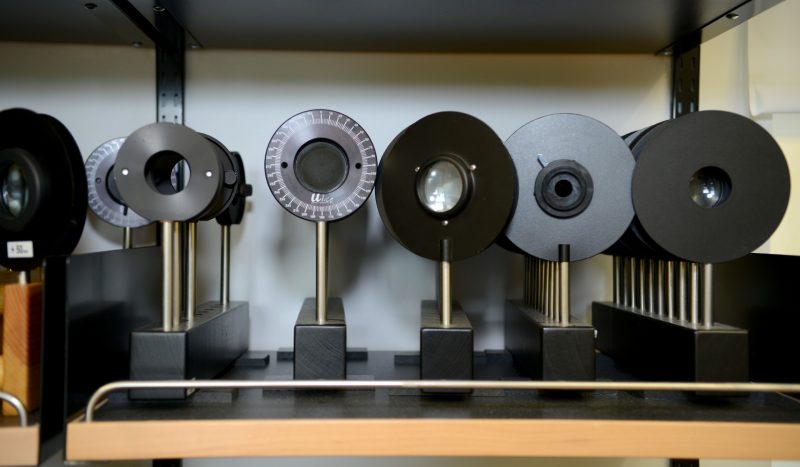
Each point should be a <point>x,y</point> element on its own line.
<point>241,97</point>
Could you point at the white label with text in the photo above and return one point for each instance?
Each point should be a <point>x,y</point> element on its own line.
<point>22,249</point>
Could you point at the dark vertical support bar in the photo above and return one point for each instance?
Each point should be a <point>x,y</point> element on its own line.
<point>170,70</point>
<point>170,79</point>
<point>686,77</point>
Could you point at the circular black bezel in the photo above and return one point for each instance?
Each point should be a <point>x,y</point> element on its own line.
<point>672,151</point>
<point>204,195</point>
<point>583,180</point>
<point>485,213</point>
<point>466,181</point>
<point>32,172</point>
<point>54,216</point>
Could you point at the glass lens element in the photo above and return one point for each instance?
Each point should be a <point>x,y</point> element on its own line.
<point>709,187</point>
<point>14,191</point>
<point>441,186</point>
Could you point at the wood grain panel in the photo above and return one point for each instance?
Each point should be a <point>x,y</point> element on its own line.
<point>22,347</point>
<point>430,437</point>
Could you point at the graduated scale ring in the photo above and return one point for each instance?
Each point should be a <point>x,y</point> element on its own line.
<point>320,165</point>
<point>105,199</point>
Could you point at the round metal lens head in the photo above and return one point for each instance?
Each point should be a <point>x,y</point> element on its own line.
<point>321,166</point>
<point>709,187</point>
<point>440,187</point>
<point>14,190</point>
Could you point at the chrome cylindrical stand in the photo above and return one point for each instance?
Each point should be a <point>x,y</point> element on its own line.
<point>322,272</point>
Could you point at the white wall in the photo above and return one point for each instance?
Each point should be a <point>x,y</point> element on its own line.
<point>241,97</point>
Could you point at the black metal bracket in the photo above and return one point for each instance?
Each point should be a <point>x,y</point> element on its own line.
<point>170,69</point>
<point>686,77</point>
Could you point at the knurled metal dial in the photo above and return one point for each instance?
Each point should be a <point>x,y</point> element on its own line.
<point>340,141</point>
<point>104,198</point>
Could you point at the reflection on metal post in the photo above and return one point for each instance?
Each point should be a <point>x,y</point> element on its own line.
<point>177,274</point>
<point>225,267</point>
<point>694,293</point>
<point>191,270</point>
<point>167,291</point>
<point>682,290</point>
<point>708,295</point>
<point>127,238</point>
<point>322,272</point>
<point>563,283</point>
<point>670,289</point>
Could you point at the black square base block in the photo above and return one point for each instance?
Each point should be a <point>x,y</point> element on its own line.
<point>320,350</point>
<point>216,338</point>
<point>445,352</point>
<point>546,350</point>
<point>659,349</point>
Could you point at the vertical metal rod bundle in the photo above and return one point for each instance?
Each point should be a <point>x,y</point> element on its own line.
<point>553,289</point>
<point>682,290</point>
<point>642,282</point>
<point>177,274</point>
<point>322,273</point>
<point>525,279</point>
<point>632,284</point>
<point>616,286</point>
<point>694,293</point>
<point>708,295</point>
<point>670,289</point>
<point>225,267</point>
<point>167,291</point>
<point>191,271</point>
<point>563,283</point>
<point>651,277</point>
<point>529,276</point>
<point>542,289</point>
<point>660,288</point>
<point>127,238</point>
<point>545,280</point>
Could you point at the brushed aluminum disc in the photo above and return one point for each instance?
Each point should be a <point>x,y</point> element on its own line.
<point>104,199</point>
<point>340,176</point>
<point>589,149</point>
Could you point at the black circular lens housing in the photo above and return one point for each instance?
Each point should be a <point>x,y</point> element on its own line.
<point>45,215</point>
<point>145,167</point>
<point>481,213</point>
<point>564,188</point>
<point>729,155</point>
<point>235,211</point>
<point>320,165</point>
<point>574,177</point>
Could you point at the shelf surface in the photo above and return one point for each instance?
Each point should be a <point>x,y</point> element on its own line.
<point>404,422</point>
<point>480,26</point>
